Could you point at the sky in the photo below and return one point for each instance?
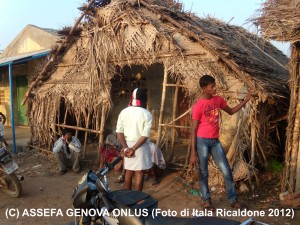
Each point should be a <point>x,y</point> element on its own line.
<point>56,14</point>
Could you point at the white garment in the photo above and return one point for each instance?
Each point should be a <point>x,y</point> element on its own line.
<point>134,122</point>
<point>157,156</point>
<point>141,159</point>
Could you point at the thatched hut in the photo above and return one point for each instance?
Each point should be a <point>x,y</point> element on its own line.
<point>280,20</point>
<point>155,45</point>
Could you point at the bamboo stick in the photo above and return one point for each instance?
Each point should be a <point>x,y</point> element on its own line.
<point>77,124</point>
<point>175,85</point>
<point>65,117</point>
<point>71,64</point>
<point>66,40</point>
<point>102,124</point>
<point>176,126</point>
<point>181,55</point>
<point>182,115</point>
<point>41,149</point>
<point>68,82</point>
<point>253,136</point>
<point>101,132</point>
<point>174,112</point>
<point>86,135</point>
<point>162,105</point>
<point>167,140</point>
<point>261,150</point>
<point>235,140</point>
<point>79,128</point>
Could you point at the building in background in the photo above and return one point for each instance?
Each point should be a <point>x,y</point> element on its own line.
<point>21,60</point>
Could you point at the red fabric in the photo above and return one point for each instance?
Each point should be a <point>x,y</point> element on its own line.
<point>108,153</point>
<point>207,112</point>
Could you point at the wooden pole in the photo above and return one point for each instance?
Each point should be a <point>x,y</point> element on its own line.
<point>102,125</point>
<point>291,179</point>
<point>162,105</point>
<point>79,128</point>
<point>174,112</point>
<point>78,119</point>
<point>65,117</point>
<point>235,140</point>
<point>41,149</point>
<point>86,135</point>
<point>253,136</point>
<point>101,132</point>
<point>295,146</point>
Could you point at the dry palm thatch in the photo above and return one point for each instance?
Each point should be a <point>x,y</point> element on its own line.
<point>127,33</point>
<point>279,20</point>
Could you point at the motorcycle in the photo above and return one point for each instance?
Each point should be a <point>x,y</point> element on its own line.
<point>93,202</point>
<point>9,182</point>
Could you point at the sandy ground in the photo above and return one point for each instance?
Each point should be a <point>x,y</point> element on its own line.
<point>44,190</point>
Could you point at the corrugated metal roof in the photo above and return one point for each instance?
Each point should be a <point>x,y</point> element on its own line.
<point>24,57</point>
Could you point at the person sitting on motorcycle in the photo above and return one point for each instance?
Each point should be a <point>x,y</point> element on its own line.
<point>67,152</point>
<point>133,129</point>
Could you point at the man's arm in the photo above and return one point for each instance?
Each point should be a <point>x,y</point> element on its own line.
<point>194,157</point>
<point>236,108</point>
<point>74,144</point>
<point>58,145</point>
<point>122,140</point>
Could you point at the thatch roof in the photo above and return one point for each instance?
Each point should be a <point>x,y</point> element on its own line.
<point>279,20</point>
<point>148,31</point>
<point>144,32</point>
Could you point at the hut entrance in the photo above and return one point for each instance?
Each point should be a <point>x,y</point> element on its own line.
<point>167,102</point>
<point>126,80</point>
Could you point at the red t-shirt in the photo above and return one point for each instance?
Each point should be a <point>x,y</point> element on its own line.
<point>207,112</point>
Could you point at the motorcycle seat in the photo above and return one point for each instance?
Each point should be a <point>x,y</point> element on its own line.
<point>133,199</point>
<point>167,220</point>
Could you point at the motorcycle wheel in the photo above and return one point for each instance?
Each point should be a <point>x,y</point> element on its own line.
<point>3,143</point>
<point>10,184</point>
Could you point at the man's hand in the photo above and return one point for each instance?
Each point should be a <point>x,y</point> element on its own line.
<point>194,159</point>
<point>129,153</point>
<point>250,94</point>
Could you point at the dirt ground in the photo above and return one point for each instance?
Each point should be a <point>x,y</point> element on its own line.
<point>44,189</point>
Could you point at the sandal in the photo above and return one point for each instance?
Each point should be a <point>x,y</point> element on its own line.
<point>120,179</point>
<point>237,205</point>
<point>207,206</point>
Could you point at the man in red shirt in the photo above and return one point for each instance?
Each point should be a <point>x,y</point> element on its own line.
<point>205,139</point>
